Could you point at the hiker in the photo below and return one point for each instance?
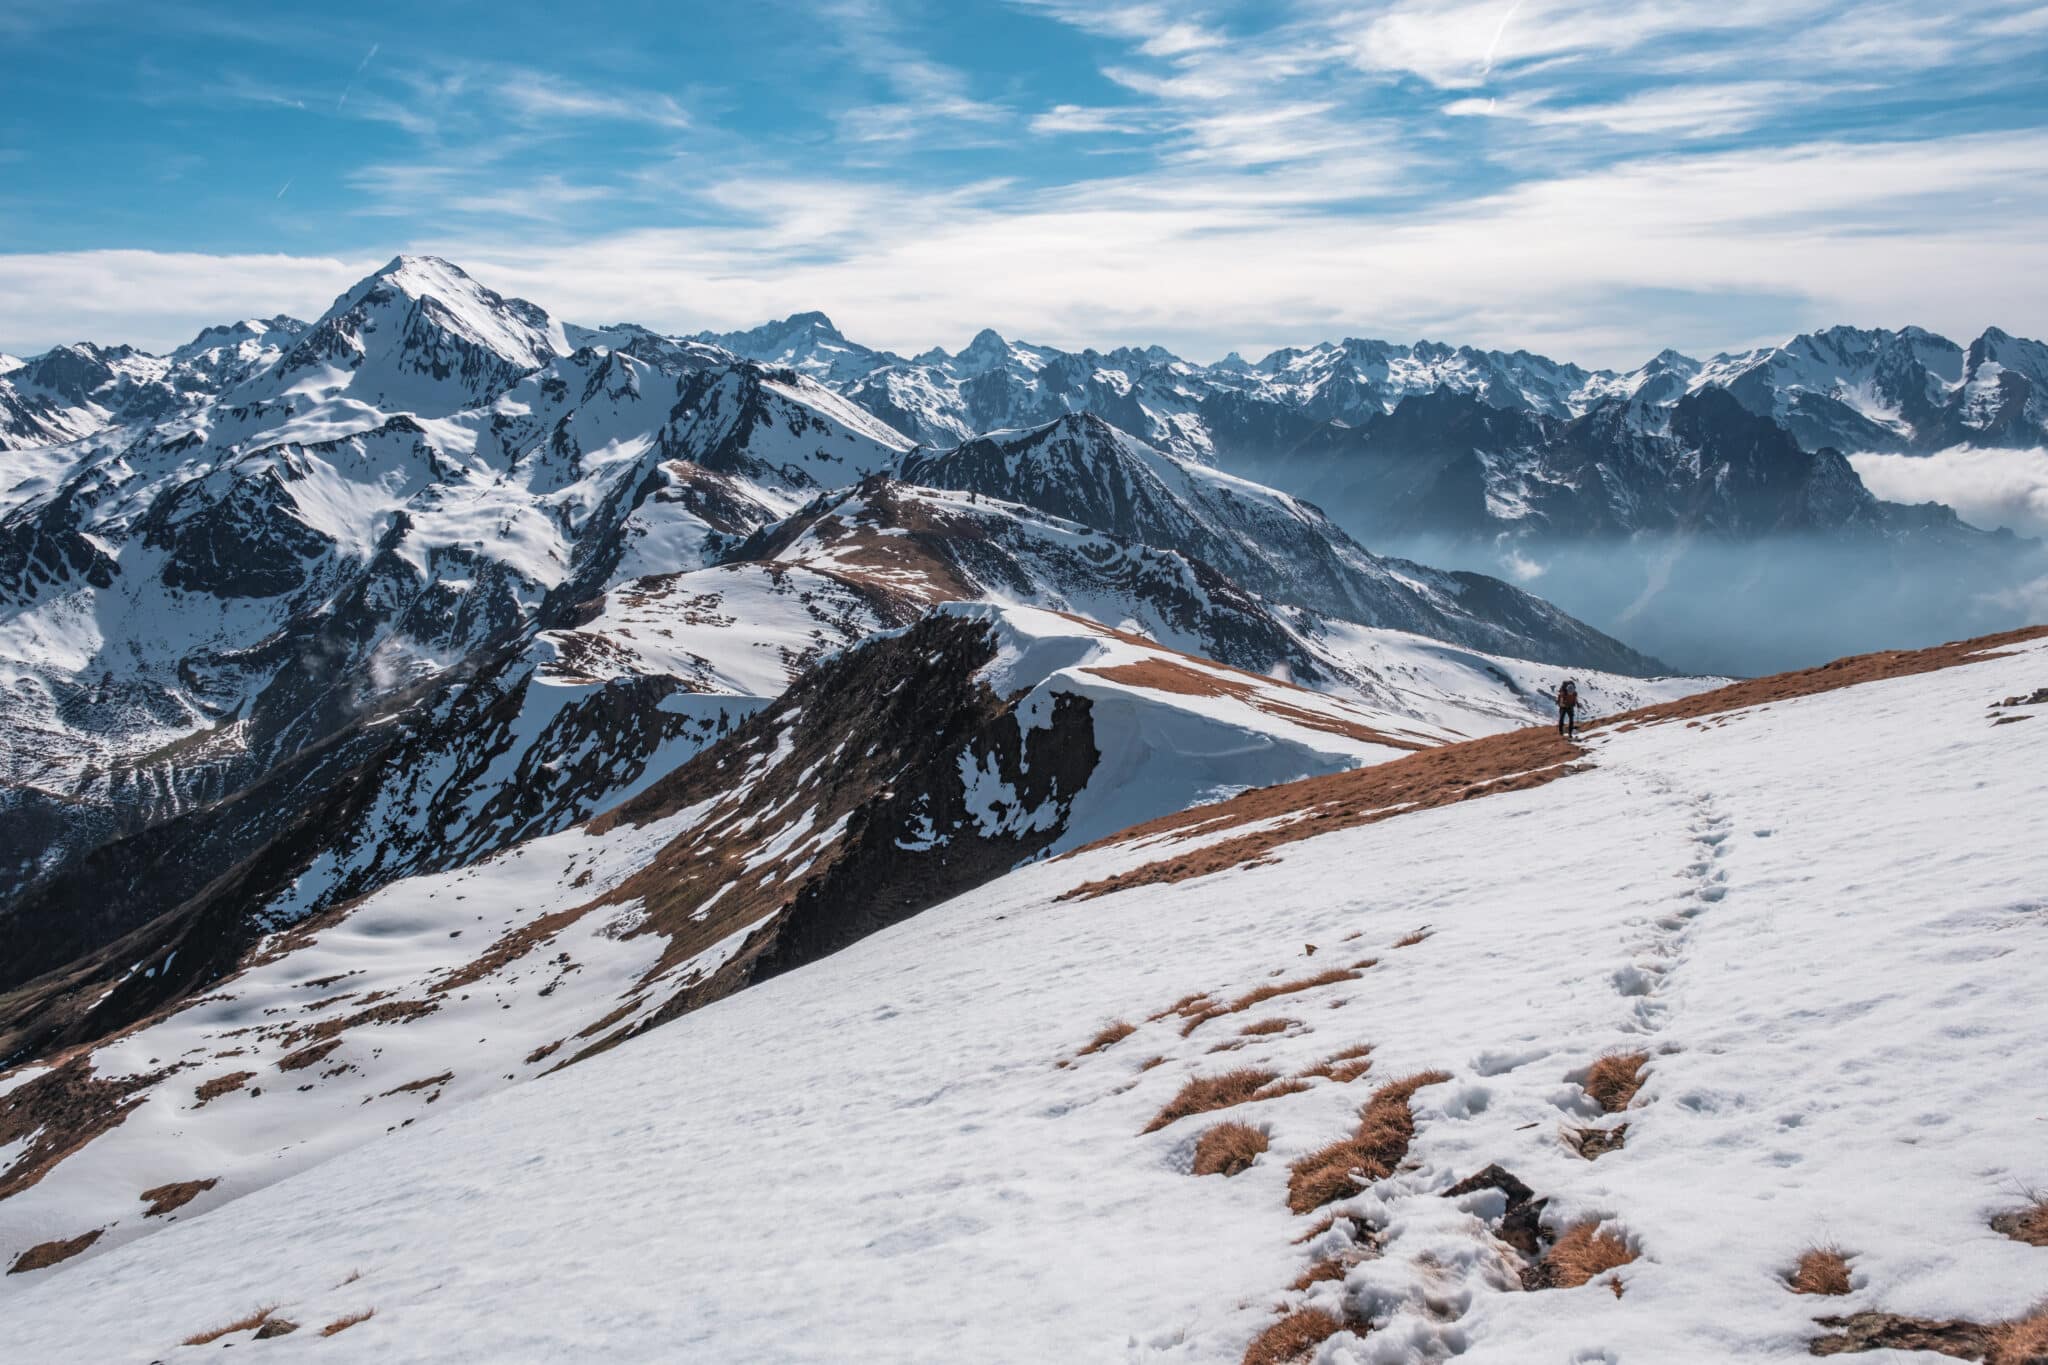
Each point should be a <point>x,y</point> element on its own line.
<point>1568,709</point>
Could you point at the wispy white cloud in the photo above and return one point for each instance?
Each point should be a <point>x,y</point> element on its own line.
<point>1685,110</point>
<point>929,102</point>
<point>1075,118</point>
<point>536,97</point>
<point>1458,43</point>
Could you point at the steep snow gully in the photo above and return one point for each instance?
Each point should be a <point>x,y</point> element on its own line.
<point>1755,973</point>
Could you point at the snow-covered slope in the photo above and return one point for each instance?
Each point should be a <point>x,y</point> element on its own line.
<point>912,767</point>
<point>928,1145</point>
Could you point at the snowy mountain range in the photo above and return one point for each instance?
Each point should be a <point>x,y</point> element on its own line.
<point>405,574</point>
<point>474,781</point>
<point>1845,387</point>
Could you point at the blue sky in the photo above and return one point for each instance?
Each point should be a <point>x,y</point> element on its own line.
<point>1595,180</point>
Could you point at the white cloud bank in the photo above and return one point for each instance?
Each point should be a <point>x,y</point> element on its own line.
<point>1601,267</point>
<point>1988,488</point>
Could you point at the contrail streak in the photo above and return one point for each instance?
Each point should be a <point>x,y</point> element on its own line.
<point>366,61</point>
<point>1498,29</point>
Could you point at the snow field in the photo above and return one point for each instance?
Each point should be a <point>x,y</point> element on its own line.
<point>1821,918</point>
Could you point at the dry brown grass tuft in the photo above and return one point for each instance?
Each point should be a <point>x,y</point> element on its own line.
<point>1329,1268</point>
<point>2029,1224</point>
<point>1152,1063</point>
<point>1265,1026</point>
<point>342,1324</point>
<point>1228,1148</point>
<point>1293,1338</point>
<point>1187,1004</point>
<point>241,1324</point>
<point>1111,1035</point>
<point>1410,940</point>
<point>1304,983</point>
<point>1615,1078</point>
<point>1345,1066</point>
<point>1204,1093</point>
<point>2023,1341</point>
<point>1821,1270</point>
<point>1583,1251</point>
<point>1385,1129</point>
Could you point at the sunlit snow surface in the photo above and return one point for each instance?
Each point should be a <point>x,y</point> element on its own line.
<point>1821,917</point>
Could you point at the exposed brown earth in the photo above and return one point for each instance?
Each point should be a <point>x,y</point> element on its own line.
<point>1593,1143</point>
<point>46,1254</point>
<point>385,1012</point>
<point>61,1111</point>
<point>168,1198</point>
<point>1958,1337</point>
<point>1806,682</point>
<point>2018,1341</point>
<point>307,1056</point>
<point>1321,805</point>
<point>1169,675</point>
<point>210,1090</point>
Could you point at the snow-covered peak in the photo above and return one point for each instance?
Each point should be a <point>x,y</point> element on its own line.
<point>807,343</point>
<point>418,336</point>
<point>278,332</point>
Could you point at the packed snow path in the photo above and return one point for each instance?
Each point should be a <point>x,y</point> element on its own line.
<point>1820,917</point>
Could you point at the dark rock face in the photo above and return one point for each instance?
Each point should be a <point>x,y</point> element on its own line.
<point>42,549</point>
<point>872,749</point>
<point>246,541</point>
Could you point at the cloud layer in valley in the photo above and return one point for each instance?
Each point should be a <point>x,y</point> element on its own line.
<point>1987,488</point>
